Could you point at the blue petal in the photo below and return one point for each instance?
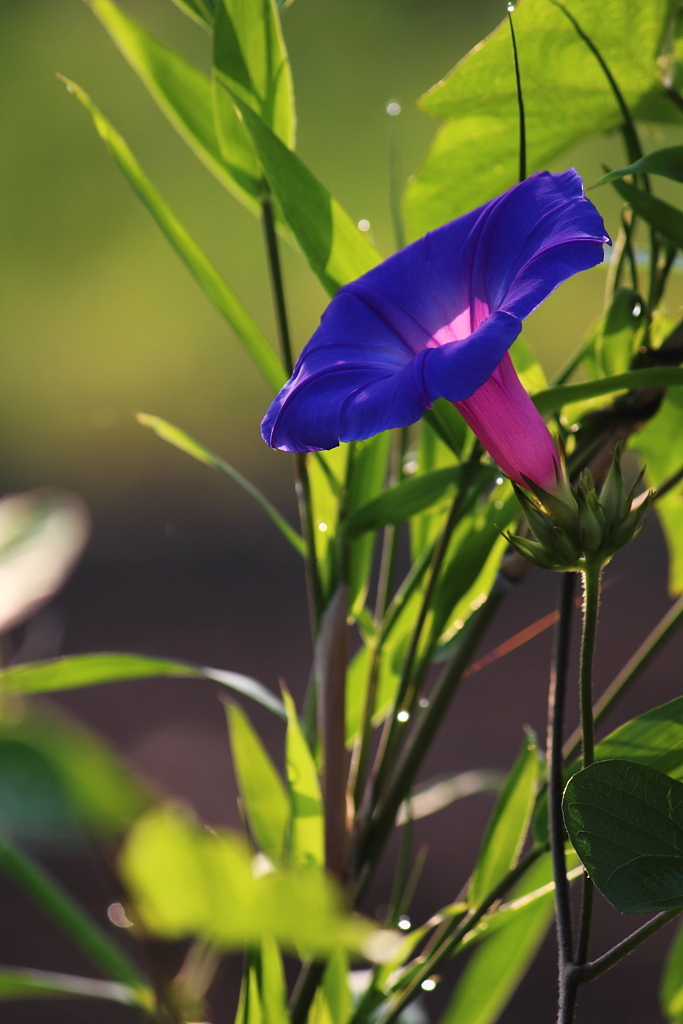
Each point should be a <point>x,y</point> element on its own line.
<point>455,371</point>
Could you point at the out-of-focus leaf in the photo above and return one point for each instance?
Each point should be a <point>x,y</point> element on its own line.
<point>78,670</point>
<point>663,217</point>
<point>666,162</point>
<point>566,97</point>
<point>272,983</point>
<point>186,880</point>
<point>497,966</point>
<point>654,739</point>
<point>249,1009</point>
<point>445,419</point>
<point>528,368</point>
<point>250,57</point>
<point>509,824</point>
<point>264,797</point>
<point>42,534</point>
<point>308,824</point>
<point>27,983</point>
<point>435,794</point>
<point>406,499</point>
<point>336,249</point>
<point>201,268</point>
<point>183,95</point>
<point>333,1003</point>
<point>327,478</point>
<point>671,987</point>
<point>201,11</point>
<point>179,439</point>
<point>616,342</point>
<point>651,377</point>
<point>367,473</point>
<point>660,443</point>
<point>56,776</point>
<point>625,821</point>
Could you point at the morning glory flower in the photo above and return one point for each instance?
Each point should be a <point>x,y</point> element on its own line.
<point>436,320</point>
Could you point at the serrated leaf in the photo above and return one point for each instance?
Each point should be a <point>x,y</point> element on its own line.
<point>507,829</point>
<point>307,844</point>
<point>183,95</point>
<point>566,96</point>
<point>201,268</point>
<point>265,800</point>
<point>335,248</point>
<point>179,439</point>
<point>77,670</point>
<point>625,821</point>
<point>660,444</point>
<point>666,162</point>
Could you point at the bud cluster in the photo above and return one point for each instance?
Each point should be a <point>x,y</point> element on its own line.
<point>577,527</point>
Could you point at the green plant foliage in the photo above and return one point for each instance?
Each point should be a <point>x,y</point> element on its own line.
<point>625,821</point>
<point>27,983</point>
<point>671,988</point>
<point>663,217</point>
<point>265,801</point>
<point>652,377</point>
<point>661,462</point>
<point>366,475</point>
<point>179,439</point>
<point>203,271</point>
<point>507,829</point>
<point>307,843</point>
<point>616,341</point>
<point>272,983</point>
<point>335,248</point>
<point>333,1003</point>
<point>77,670</point>
<point>201,11</point>
<point>566,96</point>
<point>186,880</point>
<point>666,162</point>
<point>57,778</point>
<point>501,961</point>
<point>183,95</point>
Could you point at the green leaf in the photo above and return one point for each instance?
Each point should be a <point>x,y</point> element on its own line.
<point>308,823</point>
<point>57,778</point>
<point>186,880</point>
<point>201,268</point>
<point>447,422</point>
<point>501,961</point>
<point>250,58</point>
<point>617,339</point>
<point>509,824</point>
<point>333,1003</point>
<point>660,444</point>
<point>435,794</point>
<point>671,988</point>
<point>42,535</point>
<point>654,739</point>
<point>272,983</point>
<point>179,439</point>
<point>367,472</point>
<point>78,670</point>
<point>335,248</point>
<point>666,162</point>
<point>663,217</point>
<point>625,821</point>
<point>528,368</point>
<point>652,377</point>
<point>183,95</point>
<point>265,800</point>
<point>201,11</point>
<point>566,96</point>
<point>406,499</point>
<point>27,983</point>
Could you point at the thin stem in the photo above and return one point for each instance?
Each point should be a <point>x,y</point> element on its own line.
<point>589,971</point>
<point>276,282</point>
<point>630,672</point>
<point>520,101</point>
<point>394,111</point>
<point>74,922</point>
<point>556,705</point>
<point>585,921</point>
<point>591,602</point>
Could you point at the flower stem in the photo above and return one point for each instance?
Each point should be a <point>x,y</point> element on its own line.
<point>556,706</point>
<point>589,971</point>
<point>592,576</point>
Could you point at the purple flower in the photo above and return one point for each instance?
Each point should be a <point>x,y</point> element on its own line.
<point>436,320</point>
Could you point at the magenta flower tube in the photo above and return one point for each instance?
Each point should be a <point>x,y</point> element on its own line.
<point>436,320</point>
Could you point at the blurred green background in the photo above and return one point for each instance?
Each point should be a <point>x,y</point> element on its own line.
<point>99,318</point>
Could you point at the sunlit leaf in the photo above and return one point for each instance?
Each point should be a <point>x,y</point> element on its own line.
<point>42,534</point>
<point>566,96</point>
<point>183,95</point>
<point>28,983</point>
<point>265,800</point>
<point>625,821</point>
<point>186,880</point>
<point>507,829</point>
<point>201,268</point>
<point>308,825</point>
<point>652,377</point>
<point>662,216</point>
<point>336,249</point>
<point>666,162</point>
<point>367,473</point>
<point>179,439</point>
<point>671,988</point>
<point>77,670</point>
<point>435,794</point>
<point>528,368</point>
<point>272,983</point>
